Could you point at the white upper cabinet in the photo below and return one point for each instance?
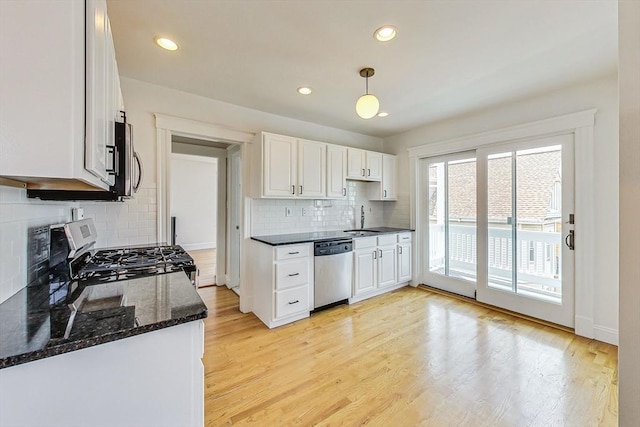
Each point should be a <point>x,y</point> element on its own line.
<point>43,82</point>
<point>387,189</point>
<point>312,169</point>
<point>336,171</point>
<point>364,165</point>
<point>293,168</point>
<point>279,166</point>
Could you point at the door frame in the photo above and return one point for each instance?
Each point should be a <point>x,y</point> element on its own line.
<point>581,125</point>
<point>166,127</point>
<point>232,152</point>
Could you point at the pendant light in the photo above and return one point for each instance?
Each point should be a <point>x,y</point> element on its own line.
<point>367,105</point>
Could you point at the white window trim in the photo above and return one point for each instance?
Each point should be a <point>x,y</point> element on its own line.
<point>579,124</point>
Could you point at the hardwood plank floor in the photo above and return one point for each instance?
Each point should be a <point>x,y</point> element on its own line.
<point>408,358</point>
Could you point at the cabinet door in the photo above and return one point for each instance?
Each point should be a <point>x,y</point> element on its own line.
<point>404,262</point>
<point>374,166</point>
<point>312,169</point>
<point>336,171</point>
<point>387,266</point>
<point>97,88</point>
<point>389,181</point>
<point>365,271</point>
<point>279,166</point>
<point>356,168</point>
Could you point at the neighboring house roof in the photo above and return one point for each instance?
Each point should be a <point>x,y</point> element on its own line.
<point>537,174</point>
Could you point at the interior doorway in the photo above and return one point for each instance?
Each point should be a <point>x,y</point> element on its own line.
<point>198,191</point>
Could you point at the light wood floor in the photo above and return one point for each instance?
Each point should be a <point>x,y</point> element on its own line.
<point>205,260</point>
<point>408,358</point>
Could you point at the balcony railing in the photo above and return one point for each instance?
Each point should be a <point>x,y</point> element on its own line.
<point>538,260</point>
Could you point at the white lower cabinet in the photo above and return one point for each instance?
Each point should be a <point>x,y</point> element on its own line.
<point>378,265</point>
<point>282,282</point>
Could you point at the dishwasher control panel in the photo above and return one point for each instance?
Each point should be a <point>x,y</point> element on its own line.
<point>333,247</point>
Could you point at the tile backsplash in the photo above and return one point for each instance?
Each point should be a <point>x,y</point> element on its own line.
<point>269,216</point>
<point>17,215</point>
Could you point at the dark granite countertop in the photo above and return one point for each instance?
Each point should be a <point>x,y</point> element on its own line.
<point>322,236</point>
<point>49,319</point>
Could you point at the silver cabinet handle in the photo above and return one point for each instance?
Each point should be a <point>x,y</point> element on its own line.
<point>363,172</point>
<point>300,190</point>
<point>294,253</point>
<point>294,274</point>
<point>399,250</point>
<point>375,254</point>
<point>293,302</point>
<point>369,172</point>
<point>385,193</point>
<point>293,189</point>
<point>344,191</point>
<point>380,253</point>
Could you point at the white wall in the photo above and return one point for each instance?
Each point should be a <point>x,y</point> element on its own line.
<point>629,80</point>
<point>600,94</point>
<point>194,194</point>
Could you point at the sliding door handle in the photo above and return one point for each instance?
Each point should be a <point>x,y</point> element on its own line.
<point>569,240</point>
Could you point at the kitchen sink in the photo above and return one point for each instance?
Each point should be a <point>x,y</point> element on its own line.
<point>361,232</point>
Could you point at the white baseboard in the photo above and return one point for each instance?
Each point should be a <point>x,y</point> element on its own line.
<point>604,334</point>
<point>196,246</point>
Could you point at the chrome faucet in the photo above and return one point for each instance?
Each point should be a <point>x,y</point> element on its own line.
<point>362,216</point>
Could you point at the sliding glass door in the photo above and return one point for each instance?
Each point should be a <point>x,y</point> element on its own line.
<point>525,203</point>
<point>500,226</point>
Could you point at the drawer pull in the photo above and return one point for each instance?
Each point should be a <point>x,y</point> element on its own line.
<point>294,253</point>
<point>293,302</point>
<point>294,274</point>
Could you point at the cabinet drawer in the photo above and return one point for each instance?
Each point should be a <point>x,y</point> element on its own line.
<point>365,242</point>
<point>292,301</point>
<point>292,273</point>
<point>404,237</point>
<point>292,251</point>
<point>387,239</point>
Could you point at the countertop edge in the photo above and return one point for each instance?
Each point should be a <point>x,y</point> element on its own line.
<point>294,240</point>
<point>91,342</point>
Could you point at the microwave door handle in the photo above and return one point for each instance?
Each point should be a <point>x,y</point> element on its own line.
<point>140,171</point>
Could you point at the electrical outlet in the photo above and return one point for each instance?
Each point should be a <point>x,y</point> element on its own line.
<point>304,211</point>
<point>287,211</point>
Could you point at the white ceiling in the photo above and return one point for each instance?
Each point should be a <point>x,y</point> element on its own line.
<point>449,58</point>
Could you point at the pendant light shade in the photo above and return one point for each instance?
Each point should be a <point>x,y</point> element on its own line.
<point>367,105</point>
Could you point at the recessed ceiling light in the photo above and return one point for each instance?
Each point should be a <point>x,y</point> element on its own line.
<point>304,90</point>
<point>386,33</point>
<point>383,114</point>
<point>166,43</point>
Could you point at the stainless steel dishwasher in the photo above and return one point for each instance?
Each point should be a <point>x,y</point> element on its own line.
<point>333,273</point>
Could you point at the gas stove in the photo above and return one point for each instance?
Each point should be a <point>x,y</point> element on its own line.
<point>109,265</point>
<point>74,241</point>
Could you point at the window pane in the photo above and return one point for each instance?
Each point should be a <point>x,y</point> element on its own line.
<point>461,194</point>
<point>538,184</point>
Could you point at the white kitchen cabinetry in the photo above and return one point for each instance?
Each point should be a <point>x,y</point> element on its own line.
<point>388,187</point>
<point>291,168</point>
<point>112,384</point>
<point>378,265</point>
<point>336,172</point>
<point>404,257</point>
<point>43,93</point>
<point>364,165</point>
<point>282,282</point>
